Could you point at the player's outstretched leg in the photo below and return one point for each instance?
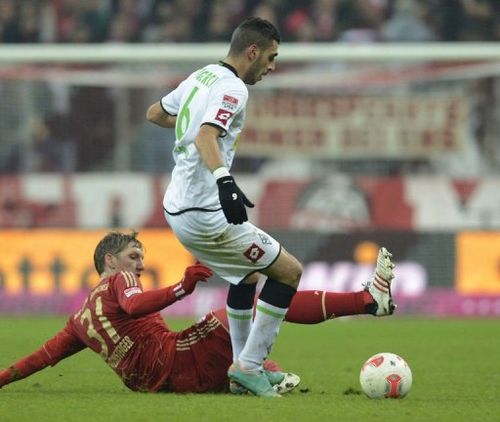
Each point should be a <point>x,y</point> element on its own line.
<point>380,285</point>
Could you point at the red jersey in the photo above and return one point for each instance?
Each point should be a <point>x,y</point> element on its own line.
<point>122,323</point>
<point>139,348</point>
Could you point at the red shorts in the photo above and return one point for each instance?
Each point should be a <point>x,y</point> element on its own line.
<point>203,356</point>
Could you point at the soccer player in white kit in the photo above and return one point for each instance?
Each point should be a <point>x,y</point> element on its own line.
<point>206,209</point>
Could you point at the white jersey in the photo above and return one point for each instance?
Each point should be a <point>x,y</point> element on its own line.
<point>212,95</point>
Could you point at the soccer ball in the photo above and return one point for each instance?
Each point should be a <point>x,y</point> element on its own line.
<point>385,375</point>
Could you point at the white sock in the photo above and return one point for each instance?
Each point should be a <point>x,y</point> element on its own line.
<point>240,324</point>
<point>264,331</point>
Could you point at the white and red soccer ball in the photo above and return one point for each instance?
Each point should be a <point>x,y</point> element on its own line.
<point>385,375</point>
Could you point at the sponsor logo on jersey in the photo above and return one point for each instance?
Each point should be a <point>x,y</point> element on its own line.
<point>229,103</point>
<point>223,116</point>
<point>132,291</point>
<point>254,253</point>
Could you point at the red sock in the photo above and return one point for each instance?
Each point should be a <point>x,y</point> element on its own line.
<point>314,306</point>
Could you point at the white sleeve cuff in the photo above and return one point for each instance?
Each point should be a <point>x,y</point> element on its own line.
<point>220,172</point>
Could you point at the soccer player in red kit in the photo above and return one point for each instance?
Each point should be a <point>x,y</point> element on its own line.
<point>121,322</point>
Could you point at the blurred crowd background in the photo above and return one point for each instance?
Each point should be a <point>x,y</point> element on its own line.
<point>339,156</point>
<point>52,120</point>
<point>129,21</point>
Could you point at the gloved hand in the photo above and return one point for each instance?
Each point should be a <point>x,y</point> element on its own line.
<point>192,275</point>
<point>233,200</point>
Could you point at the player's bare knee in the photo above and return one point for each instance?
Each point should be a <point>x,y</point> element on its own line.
<point>293,275</point>
<point>296,274</point>
<point>251,279</point>
<point>286,270</point>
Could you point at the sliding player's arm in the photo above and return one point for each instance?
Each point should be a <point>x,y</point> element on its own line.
<point>64,344</point>
<point>135,302</point>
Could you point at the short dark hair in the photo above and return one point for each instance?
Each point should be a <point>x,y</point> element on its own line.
<point>253,31</point>
<point>114,242</point>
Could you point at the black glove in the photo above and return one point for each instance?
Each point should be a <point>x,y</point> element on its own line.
<point>232,200</point>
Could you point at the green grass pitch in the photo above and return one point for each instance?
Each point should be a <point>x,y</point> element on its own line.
<point>455,364</point>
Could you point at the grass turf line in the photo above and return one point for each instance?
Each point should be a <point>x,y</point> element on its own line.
<point>454,363</point>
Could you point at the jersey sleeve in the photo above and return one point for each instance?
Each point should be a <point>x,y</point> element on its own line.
<point>126,285</point>
<point>227,99</point>
<point>172,101</point>
<point>64,344</point>
<point>134,301</point>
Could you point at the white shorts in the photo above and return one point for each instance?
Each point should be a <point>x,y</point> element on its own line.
<point>231,251</point>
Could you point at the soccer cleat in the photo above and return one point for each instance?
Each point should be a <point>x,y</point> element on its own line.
<point>274,377</point>
<point>287,384</point>
<point>282,382</point>
<point>255,381</point>
<point>379,286</point>
<point>236,388</point>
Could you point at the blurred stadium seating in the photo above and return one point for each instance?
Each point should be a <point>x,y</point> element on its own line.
<point>342,151</point>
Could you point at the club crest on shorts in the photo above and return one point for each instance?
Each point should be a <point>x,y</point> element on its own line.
<point>265,239</point>
<point>254,253</point>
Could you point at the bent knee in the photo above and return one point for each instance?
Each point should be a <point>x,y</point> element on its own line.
<point>251,279</point>
<point>287,270</point>
<point>296,274</point>
<point>293,274</point>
